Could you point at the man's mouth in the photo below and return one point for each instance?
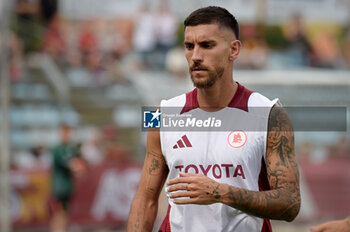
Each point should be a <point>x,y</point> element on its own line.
<point>197,69</point>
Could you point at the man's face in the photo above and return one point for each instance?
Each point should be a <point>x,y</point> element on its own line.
<point>207,49</point>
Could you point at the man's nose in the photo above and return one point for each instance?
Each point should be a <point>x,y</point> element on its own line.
<point>197,55</point>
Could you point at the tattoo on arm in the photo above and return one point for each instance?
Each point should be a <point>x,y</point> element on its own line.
<point>283,200</point>
<point>155,163</point>
<point>216,192</point>
<point>144,209</point>
<point>155,167</point>
<point>147,226</point>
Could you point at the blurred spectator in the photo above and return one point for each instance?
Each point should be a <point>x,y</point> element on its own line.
<point>16,58</point>
<point>254,52</point>
<point>96,68</point>
<point>65,165</point>
<point>347,46</point>
<point>36,158</point>
<point>298,46</point>
<point>144,38</point>
<point>114,152</point>
<point>76,73</point>
<point>176,62</point>
<point>91,148</point>
<point>48,9</point>
<point>341,149</point>
<point>326,51</point>
<point>122,43</point>
<point>27,24</point>
<point>53,40</point>
<point>87,39</point>
<point>165,29</point>
<point>42,159</point>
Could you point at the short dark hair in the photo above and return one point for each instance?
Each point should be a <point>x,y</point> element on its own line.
<point>213,14</point>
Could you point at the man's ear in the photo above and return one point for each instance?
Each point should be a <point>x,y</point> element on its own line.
<point>235,48</point>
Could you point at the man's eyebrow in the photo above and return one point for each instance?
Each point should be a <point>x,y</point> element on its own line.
<point>210,42</point>
<point>203,41</point>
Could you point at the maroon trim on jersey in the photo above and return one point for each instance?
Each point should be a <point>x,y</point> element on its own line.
<point>191,101</point>
<point>165,227</point>
<point>263,186</point>
<point>239,100</point>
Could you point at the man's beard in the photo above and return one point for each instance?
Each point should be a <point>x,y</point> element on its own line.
<point>213,76</point>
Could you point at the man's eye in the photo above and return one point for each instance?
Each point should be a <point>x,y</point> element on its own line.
<point>189,46</point>
<point>207,45</point>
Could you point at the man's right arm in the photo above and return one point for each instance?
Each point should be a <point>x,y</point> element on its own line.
<point>145,204</point>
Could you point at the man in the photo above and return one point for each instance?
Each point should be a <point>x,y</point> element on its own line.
<point>219,180</point>
<point>65,164</point>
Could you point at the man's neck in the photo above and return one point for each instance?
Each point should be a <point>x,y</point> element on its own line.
<point>217,96</point>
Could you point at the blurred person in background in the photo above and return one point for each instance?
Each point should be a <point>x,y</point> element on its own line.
<point>347,46</point>
<point>175,62</point>
<point>87,39</point>
<point>144,37</point>
<point>26,23</point>
<point>254,52</point>
<point>333,226</point>
<point>54,40</point>
<point>16,58</point>
<point>298,49</point>
<point>326,52</point>
<point>41,157</point>
<point>122,44</point>
<point>225,201</point>
<point>96,68</point>
<point>341,150</point>
<point>113,151</point>
<point>76,73</point>
<point>66,164</point>
<point>92,149</point>
<point>165,29</point>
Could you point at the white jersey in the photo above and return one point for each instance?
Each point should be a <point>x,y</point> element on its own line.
<point>235,157</point>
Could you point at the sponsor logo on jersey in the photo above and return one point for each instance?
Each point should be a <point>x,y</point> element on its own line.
<point>183,142</point>
<point>151,118</point>
<point>237,138</point>
<point>218,171</point>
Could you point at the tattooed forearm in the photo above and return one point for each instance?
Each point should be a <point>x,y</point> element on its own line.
<point>282,168</point>
<point>141,222</point>
<point>145,204</point>
<point>154,168</point>
<point>156,161</point>
<point>283,200</point>
<point>136,226</point>
<point>273,204</point>
<point>144,207</point>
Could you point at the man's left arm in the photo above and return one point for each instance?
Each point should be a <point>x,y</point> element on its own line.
<point>282,202</point>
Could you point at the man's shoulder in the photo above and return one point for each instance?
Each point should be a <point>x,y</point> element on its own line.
<point>260,105</point>
<point>177,101</point>
<point>256,99</point>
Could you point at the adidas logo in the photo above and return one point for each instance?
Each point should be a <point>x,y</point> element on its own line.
<point>183,142</point>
